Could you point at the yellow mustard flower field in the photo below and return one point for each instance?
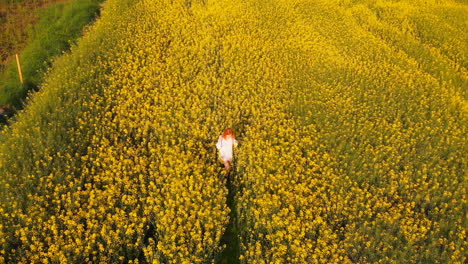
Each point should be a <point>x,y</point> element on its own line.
<point>351,117</point>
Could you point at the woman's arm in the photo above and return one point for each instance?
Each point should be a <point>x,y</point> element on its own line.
<point>218,145</point>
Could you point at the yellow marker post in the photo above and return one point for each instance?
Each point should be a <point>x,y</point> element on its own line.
<point>19,69</point>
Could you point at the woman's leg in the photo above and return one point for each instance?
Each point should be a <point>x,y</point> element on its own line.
<point>227,165</point>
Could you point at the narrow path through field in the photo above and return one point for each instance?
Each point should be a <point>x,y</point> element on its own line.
<point>230,238</point>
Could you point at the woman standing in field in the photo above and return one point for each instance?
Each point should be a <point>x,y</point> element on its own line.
<point>225,146</point>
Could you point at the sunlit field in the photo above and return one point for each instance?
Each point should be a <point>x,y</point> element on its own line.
<point>351,117</point>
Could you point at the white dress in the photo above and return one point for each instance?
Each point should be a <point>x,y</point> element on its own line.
<point>225,147</point>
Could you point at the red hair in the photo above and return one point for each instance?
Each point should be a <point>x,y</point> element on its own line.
<point>228,132</point>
